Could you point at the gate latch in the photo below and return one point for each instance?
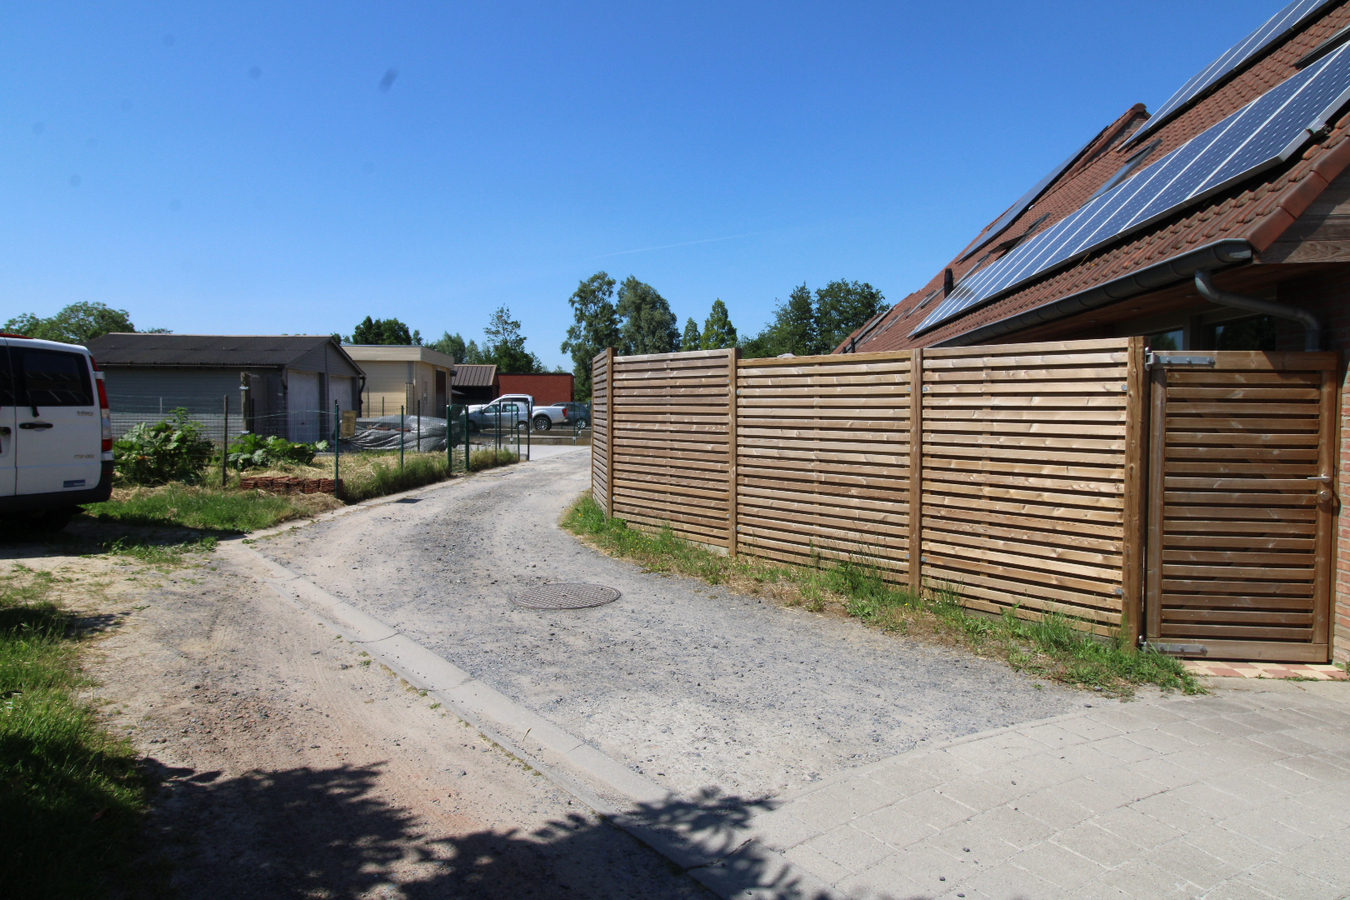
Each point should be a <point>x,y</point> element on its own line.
<point>1176,359</point>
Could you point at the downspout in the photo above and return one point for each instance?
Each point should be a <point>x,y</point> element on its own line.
<point>1312,328</point>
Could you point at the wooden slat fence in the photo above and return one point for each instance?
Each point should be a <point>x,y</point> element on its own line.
<point>1023,476</point>
<point>670,446</point>
<point>823,459</point>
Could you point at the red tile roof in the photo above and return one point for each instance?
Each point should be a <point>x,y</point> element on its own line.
<point>1257,211</point>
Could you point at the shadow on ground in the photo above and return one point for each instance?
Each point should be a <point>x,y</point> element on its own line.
<point>309,832</point>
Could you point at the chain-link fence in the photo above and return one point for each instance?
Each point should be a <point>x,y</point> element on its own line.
<point>335,432</point>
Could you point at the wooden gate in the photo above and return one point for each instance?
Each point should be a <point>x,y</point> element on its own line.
<point>1240,506</point>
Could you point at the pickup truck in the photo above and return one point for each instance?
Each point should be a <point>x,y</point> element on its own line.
<point>485,415</point>
<point>562,415</point>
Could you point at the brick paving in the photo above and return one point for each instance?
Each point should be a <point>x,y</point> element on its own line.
<point>1241,793</point>
<point>1310,671</point>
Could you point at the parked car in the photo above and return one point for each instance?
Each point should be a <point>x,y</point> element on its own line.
<point>55,432</point>
<point>562,415</point>
<point>486,415</point>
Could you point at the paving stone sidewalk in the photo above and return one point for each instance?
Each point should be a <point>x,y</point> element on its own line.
<point>1244,793</point>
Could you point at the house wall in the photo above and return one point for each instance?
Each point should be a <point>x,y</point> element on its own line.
<point>395,383</point>
<point>545,389</point>
<point>151,390</point>
<point>1326,294</point>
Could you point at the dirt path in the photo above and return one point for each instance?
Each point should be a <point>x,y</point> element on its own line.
<point>293,767</point>
<point>689,685</point>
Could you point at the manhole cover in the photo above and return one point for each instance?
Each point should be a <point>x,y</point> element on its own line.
<point>565,596</point>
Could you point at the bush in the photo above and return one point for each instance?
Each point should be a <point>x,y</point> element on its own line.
<point>253,451</point>
<point>172,450</point>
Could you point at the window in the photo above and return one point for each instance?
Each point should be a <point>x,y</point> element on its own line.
<point>6,380</point>
<point>1167,340</point>
<point>52,377</point>
<point>1257,333</point>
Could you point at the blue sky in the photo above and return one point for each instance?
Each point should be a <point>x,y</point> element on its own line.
<point>292,167</point>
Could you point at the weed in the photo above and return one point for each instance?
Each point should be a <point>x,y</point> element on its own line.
<point>1046,645</point>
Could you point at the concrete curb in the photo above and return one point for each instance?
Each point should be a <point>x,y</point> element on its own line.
<point>728,861</point>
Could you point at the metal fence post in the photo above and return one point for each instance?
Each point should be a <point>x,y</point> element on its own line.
<point>419,427</point>
<point>449,445</point>
<point>337,447</point>
<point>224,439</point>
<point>402,424</point>
<point>529,427</point>
<point>465,414</point>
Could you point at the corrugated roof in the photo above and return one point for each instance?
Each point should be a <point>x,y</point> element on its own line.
<point>122,349</point>
<point>1257,211</point>
<point>474,376</point>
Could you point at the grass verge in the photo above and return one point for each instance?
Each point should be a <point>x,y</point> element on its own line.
<point>1049,647</point>
<point>70,794</point>
<point>220,511</point>
<point>208,509</point>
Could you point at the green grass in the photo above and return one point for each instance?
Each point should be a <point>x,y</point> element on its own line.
<point>70,794</point>
<point>207,509</point>
<point>386,477</point>
<point>490,459</point>
<point>1049,646</point>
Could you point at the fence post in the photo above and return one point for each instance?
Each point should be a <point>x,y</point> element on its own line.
<point>418,445</point>
<point>733,522</point>
<point>337,445</point>
<point>916,472</point>
<point>1136,464</point>
<point>609,432</point>
<point>465,414</point>
<point>224,438</point>
<point>529,427</point>
<point>402,424</point>
<point>449,445</point>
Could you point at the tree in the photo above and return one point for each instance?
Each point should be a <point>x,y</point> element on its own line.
<point>718,332</point>
<point>474,356</point>
<point>842,307</point>
<point>692,338</point>
<point>449,344</point>
<point>505,345</point>
<point>383,331</point>
<point>77,323</point>
<point>648,324</point>
<point>792,329</point>
<point>596,328</point>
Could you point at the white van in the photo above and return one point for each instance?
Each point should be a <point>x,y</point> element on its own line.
<point>55,431</point>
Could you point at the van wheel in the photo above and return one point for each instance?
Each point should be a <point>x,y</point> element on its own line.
<point>53,520</point>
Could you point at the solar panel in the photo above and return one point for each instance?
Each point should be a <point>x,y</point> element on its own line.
<point>1274,29</point>
<point>1264,133</point>
<point>1019,207</point>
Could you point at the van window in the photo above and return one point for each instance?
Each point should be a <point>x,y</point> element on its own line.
<point>52,377</point>
<point>6,380</point>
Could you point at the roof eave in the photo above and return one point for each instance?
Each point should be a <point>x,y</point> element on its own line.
<point>1168,272</point>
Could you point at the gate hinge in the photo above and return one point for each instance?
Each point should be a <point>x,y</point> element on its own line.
<point>1176,359</point>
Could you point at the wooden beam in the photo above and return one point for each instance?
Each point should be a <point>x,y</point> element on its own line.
<point>733,358</point>
<point>1136,465</point>
<point>915,472</point>
<point>1157,416</point>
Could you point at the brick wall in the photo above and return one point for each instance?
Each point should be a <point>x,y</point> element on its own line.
<point>1327,296</point>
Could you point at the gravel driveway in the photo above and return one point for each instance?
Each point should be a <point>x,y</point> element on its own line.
<point>689,684</point>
